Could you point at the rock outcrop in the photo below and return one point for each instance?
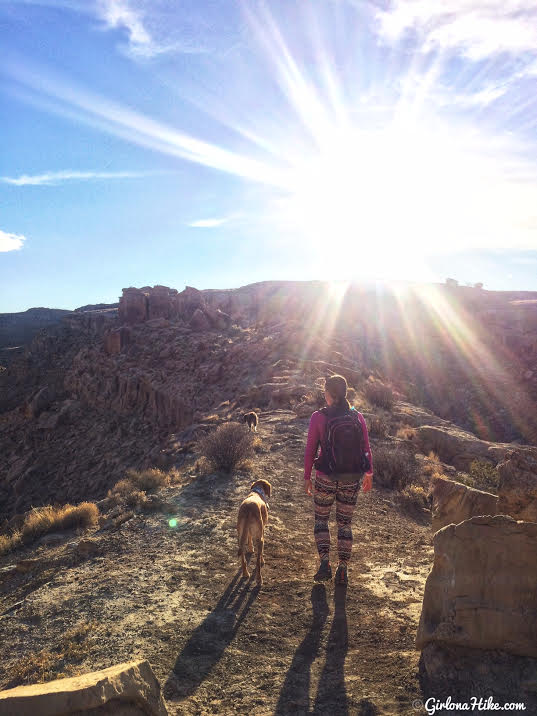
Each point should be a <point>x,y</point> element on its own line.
<point>138,305</point>
<point>129,689</point>
<point>453,502</point>
<point>481,590</point>
<point>460,448</point>
<point>517,489</point>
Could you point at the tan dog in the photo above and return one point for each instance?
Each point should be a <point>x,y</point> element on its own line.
<point>253,516</point>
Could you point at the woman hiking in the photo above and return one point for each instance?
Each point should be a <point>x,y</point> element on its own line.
<point>344,464</point>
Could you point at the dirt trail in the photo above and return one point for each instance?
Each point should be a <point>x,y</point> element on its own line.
<point>217,643</point>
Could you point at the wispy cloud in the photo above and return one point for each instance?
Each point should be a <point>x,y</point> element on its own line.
<point>477,29</point>
<point>69,100</point>
<point>208,223</point>
<point>120,14</point>
<point>60,177</point>
<point>157,27</point>
<point>11,242</point>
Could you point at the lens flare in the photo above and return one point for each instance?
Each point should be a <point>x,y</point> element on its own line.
<point>173,522</point>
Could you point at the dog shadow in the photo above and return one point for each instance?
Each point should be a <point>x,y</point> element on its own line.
<point>209,640</point>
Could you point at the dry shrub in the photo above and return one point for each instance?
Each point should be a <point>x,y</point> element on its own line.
<point>415,496</point>
<point>147,480</point>
<point>228,447</point>
<point>42,520</point>
<point>484,475</point>
<point>378,427</point>
<point>432,466</point>
<point>135,498</point>
<point>379,394</point>
<point>131,489</point>
<point>406,432</point>
<point>6,544</point>
<point>394,467</point>
<point>122,488</point>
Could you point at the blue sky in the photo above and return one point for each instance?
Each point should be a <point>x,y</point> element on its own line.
<point>216,143</point>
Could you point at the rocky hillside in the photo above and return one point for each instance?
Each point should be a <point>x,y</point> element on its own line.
<point>108,389</point>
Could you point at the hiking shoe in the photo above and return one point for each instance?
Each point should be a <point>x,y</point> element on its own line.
<point>324,573</point>
<point>341,578</point>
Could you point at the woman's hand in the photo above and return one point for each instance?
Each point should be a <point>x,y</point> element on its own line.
<point>367,484</point>
<point>308,487</point>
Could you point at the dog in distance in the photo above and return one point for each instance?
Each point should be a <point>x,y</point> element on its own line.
<point>251,420</point>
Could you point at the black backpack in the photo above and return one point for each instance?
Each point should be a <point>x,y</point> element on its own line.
<point>343,451</point>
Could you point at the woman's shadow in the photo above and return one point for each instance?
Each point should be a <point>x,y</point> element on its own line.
<point>208,641</point>
<point>294,695</point>
<point>331,697</point>
<point>331,693</point>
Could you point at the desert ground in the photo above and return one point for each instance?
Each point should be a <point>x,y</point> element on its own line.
<point>218,643</point>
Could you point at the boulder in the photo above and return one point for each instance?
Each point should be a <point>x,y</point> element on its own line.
<point>480,592</point>
<point>517,488</point>
<point>87,547</point>
<point>52,539</point>
<point>129,689</point>
<point>199,321</point>
<point>453,502</point>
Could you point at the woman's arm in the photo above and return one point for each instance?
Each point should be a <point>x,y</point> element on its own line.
<point>366,443</point>
<point>312,444</point>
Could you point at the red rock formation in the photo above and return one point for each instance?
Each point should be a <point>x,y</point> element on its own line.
<point>133,306</point>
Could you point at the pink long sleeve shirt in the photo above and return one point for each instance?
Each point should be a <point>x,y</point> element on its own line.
<point>316,436</point>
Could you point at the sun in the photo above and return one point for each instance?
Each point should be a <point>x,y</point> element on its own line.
<point>387,197</point>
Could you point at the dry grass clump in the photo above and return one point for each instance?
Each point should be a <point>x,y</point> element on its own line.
<point>378,427</point>
<point>379,394</point>
<point>42,520</point>
<point>432,466</point>
<point>394,467</point>
<point>6,544</point>
<point>74,646</point>
<point>228,447</point>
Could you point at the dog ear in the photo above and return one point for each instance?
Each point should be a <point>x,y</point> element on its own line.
<point>267,487</point>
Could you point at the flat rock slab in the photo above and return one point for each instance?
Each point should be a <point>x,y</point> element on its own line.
<point>129,689</point>
<point>454,503</point>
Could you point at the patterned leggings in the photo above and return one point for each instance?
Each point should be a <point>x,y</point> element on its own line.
<point>346,496</point>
